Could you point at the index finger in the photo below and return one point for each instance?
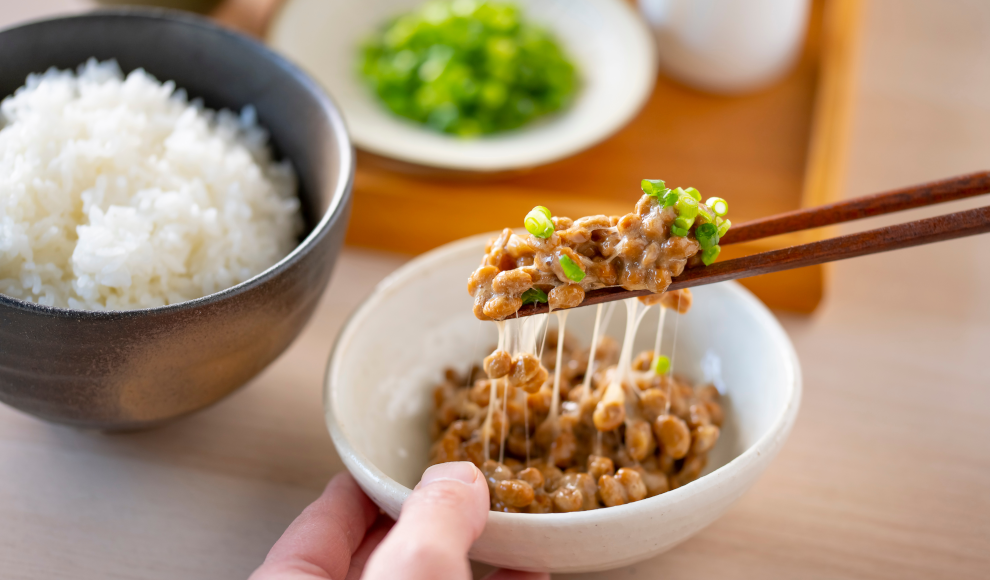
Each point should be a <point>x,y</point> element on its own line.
<point>320,541</point>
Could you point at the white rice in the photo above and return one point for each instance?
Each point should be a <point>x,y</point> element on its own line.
<point>121,193</point>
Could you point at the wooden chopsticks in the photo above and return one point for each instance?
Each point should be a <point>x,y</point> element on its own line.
<point>849,210</point>
<point>925,231</point>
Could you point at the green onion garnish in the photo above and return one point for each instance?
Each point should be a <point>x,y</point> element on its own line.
<point>654,187</point>
<point>707,235</point>
<point>687,207</point>
<point>708,255</point>
<point>683,222</point>
<point>538,222</point>
<point>676,231</point>
<point>662,366</point>
<point>468,67</point>
<point>706,215</point>
<point>571,269</point>
<point>694,193</point>
<point>723,226</point>
<point>718,205</point>
<point>534,295</point>
<point>670,199</point>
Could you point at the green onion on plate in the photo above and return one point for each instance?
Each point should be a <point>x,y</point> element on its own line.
<point>467,67</point>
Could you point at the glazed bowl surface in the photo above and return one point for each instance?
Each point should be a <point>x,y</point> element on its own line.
<point>134,369</point>
<point>393,350</point>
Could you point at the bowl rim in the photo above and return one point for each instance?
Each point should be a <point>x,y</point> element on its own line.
<point>561,150</point>
<point>345,154</point>
<point>777,430</point>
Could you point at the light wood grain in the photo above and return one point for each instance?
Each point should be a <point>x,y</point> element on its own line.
<point>884,477</point>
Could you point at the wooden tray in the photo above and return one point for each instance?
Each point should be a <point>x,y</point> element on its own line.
<point>777,150</point>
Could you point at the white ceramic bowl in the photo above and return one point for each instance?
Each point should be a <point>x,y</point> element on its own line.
<point>418,321</point>
<point>610,44</point>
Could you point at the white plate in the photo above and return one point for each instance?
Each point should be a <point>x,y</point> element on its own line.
<point>611,46</point>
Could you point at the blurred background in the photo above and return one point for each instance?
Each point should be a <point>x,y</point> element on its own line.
<point>784,105</point>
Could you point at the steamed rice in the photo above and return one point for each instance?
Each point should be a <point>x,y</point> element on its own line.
<point>119,193</point>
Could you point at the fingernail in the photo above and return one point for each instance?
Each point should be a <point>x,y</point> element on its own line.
<point>460,471</point>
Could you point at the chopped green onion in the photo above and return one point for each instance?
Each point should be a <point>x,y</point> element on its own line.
<point>693,193</point>
<point>468,67</point>
<point>676,231</point>
<point>708,255</point>
<point>662,366</point>
<point>723,226</point>
<point>654,187</point>
<point>534,295</point>
<point>683,222</point>
<point>538,222</point>
<point>571,269</point>
<point>687,207</point>
<point>670,199</point>
<point>718,205</point>
<point>707,235</point>
<point>706,215</point>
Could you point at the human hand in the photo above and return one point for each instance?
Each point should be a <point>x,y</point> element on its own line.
<point>341,535</point>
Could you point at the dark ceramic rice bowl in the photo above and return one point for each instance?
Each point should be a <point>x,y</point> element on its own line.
<point>135,369</point>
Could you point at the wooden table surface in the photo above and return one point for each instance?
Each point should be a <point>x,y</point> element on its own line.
<point>886,475</point>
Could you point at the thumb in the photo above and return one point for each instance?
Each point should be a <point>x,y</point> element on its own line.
<point>441,519</point>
